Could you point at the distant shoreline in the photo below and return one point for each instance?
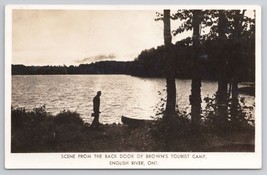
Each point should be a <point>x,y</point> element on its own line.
<point>131,68</point>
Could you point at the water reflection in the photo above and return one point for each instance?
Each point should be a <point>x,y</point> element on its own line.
<point>121,94</point>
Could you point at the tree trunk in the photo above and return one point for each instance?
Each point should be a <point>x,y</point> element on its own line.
<point>170,75</point>
<point>195,97</point>
<point>222,81</point>
<point>234,106</point>
<point>236,63</point>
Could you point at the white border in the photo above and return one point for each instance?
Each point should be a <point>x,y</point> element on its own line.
<point>54,160</point>
<point>131,7</point>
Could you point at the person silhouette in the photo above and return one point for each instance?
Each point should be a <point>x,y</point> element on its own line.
<point>96,109</point>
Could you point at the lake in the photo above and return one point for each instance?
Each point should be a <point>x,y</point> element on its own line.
<point>121,94</point>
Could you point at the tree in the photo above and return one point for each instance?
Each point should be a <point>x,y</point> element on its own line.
<point>195,97</point>
<point>222,62</point>
<point>191,20</point>
<point>226,30</point>
<point>169,68</point>
<point>237,24</point>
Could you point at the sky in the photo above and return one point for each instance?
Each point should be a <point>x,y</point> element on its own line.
<point>72,37</point>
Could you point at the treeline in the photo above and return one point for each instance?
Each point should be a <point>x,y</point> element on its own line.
<point>103,67</point>
<point>150,62</point>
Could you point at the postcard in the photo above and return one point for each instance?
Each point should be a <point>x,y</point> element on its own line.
<point>133,87</point>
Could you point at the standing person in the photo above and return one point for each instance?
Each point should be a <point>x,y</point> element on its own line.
<point>96,107</point>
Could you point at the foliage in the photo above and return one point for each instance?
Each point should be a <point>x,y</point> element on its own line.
<point>180,133</point>
<point>150,61</point>
<point>242,121</point>
<point>68,126</point>
<point>36,130</point>
<point>210,19</point>
<point>30,130</point>
<point>160,107</point>
<point>174,134</point>
<point>171,135</point>
<point>211,45</point>
<point>66,117</point>
<point>69,134</point>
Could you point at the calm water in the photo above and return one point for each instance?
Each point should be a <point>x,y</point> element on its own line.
<point>121,94</point>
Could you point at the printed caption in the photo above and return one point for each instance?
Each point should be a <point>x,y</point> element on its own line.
<point>133,159</point>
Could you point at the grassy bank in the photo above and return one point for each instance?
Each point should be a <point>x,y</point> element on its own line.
<point>39,131</point>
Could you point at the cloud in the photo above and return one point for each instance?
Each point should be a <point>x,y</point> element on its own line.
<point>100,57</point>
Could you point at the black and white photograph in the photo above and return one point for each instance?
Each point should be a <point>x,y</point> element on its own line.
<point>133,87</point>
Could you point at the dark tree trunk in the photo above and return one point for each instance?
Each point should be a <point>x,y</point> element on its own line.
<point>167,28</point>
<point>195,97</point>
<point>236,63</point>
<point>170,75</point>
<point>222,81</point>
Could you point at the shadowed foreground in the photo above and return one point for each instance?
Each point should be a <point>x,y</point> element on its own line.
<point>39,131</point>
